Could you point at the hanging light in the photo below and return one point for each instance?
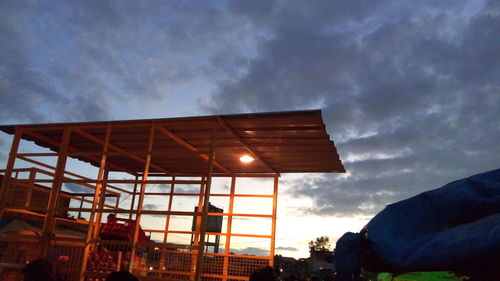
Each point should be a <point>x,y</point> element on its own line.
<point>246,158</point>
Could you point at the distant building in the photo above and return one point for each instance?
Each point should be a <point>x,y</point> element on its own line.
<point>321,261</point>
<point>290,268</point>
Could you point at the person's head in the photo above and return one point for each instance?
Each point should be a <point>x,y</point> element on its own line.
<point>121,276</point>
<point>263,274</point>
<point>39,270</point>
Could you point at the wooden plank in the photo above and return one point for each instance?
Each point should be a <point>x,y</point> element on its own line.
<point>8,170</point>
<point>56,144</point>
<point>49,220</point>
<point>192,148</point>
<point>119,149</point>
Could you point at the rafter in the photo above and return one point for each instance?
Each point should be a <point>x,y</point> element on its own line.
<point>189,146</point>
<point>56,143</point>
<point>247,146</point>
<point>119,149</point>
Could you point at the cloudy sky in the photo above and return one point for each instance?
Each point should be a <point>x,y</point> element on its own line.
<point>410,90</point>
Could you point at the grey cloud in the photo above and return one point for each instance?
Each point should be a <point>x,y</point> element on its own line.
<point>254,251</point>
<point>289,249</point>
<point>151,207</point>
<point>4,142</point>
<point>187,189</point>
<point>76,188</point>
<point>409,92</point>
<point>78,61</point>
<point>25,81</point>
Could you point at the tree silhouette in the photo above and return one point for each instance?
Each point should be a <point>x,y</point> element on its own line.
<point>320,244</point>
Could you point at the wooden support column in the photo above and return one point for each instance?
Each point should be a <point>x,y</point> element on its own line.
<point>8,170</point>
<point>31,182</point>
<point>102,201</point>
<point>81,206</point>
<point>117,203</point>
<point>141,196</point>
<point>167,222</point>
<point>275,207</point>
<point>133,197</point>
<point>171,197</point>
<point>227,248</point>
<point>196,239</point>
<point>93,225</point>
<point>55,192</point>
<point>206,202</point>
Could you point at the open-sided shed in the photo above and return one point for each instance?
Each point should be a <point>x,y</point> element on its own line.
<point>178,161</point>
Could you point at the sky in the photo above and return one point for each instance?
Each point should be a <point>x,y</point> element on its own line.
<point>409,90</point>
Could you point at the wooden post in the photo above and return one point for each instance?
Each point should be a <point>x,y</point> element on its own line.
<point>117,203</point>
<point>133,197</point>
<point>227,248</point>
<point>171,197</point>
<point>10,166</point>
<point>102,201</point>
<point>275,206</point>
<point>141,196</point>
<point>55,192</point>
<point>93,225</point>
<point>195,239</point>
<point>206,201</point>
<point>31,182</point>
<point>197,230</point>
<point>81,206</point>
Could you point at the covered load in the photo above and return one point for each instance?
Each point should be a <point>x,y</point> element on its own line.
<point>452,228</point>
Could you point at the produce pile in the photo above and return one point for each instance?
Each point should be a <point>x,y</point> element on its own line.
<point>101,260</point>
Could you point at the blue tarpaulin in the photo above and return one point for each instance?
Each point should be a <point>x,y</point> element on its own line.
<point>457,224</point>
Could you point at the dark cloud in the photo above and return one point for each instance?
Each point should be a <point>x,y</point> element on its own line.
<point>289,249</point>
<point>76,188</point>
<point>151,206</point>
<point>409,92</point>
<point>4,142</point>
<point>99,60</point>
<point>254,251</point>
<point>187,189</point>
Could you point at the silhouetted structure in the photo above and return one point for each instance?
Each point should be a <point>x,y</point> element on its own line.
<point>125,158</point>
<point>264,274</point>
<point>214,225</point>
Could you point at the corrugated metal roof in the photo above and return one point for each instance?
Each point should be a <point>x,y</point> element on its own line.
<point>283,142</point>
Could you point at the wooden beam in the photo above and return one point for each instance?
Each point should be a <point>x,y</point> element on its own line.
<point>92,231</point>
<point>137,225</point>
<point>227,248</point>
<point>49,220</point>
<point>170,201</point>
<point>206,203</point>
<point>83,180</point>
<point>119,149</point>
<point>57,144</point>
<point>247,146</point>
<point>275,210</point>
<point>10,166</point>
<point>192,148</point>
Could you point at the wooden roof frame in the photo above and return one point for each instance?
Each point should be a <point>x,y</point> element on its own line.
<point>280,142</point>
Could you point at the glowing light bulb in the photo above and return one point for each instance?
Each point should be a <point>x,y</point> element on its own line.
<point>246,158</point>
